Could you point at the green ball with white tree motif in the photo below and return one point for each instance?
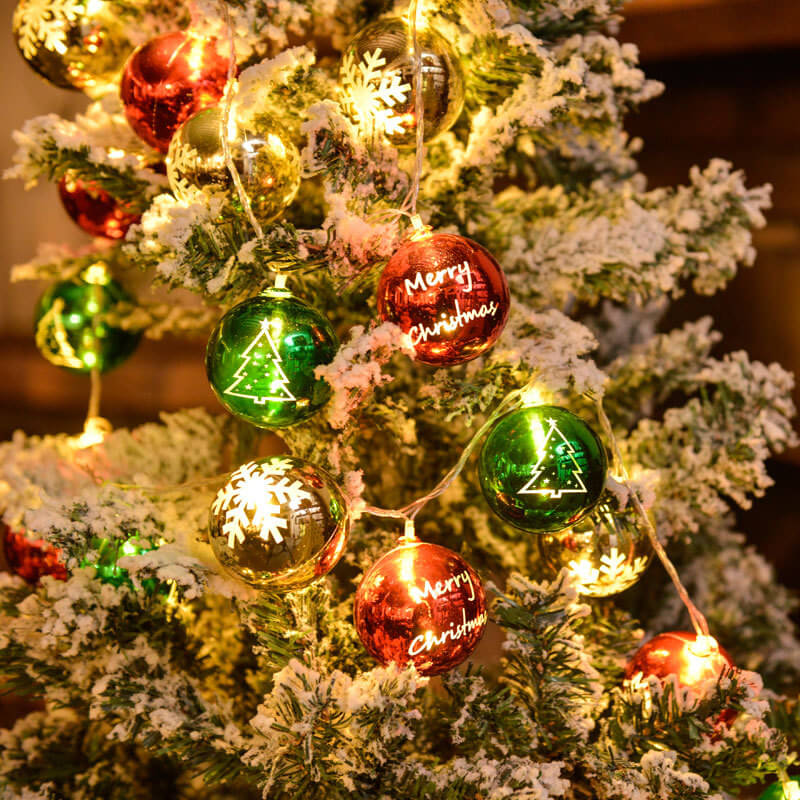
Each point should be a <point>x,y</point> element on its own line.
<point>262,356</point>
<point>542,468</point>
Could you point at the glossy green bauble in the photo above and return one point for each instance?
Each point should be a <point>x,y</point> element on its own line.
<point>261,359</point>
<point>777,792</point>
<point>71,327</point>
<point>542,468</point>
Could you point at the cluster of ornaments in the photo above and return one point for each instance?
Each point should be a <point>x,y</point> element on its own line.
<point>33,559</point>
<point>281,523</point>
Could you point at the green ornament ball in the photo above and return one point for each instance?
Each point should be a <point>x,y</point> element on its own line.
<point>542,468</point>
<point>777,791</point>
<point>261,358</point>
<point>70,325</point>
<point>107,552</point>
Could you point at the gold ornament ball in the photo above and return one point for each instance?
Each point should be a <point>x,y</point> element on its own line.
<point>265,157</point>
<point>606,552</point>
<point>74,44</point>
<point>279,523</point>
<point>376,81</point>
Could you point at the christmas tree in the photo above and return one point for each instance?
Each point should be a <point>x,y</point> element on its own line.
<point>235,658</point>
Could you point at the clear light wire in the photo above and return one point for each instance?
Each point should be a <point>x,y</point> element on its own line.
<point>227,106</point>
<point>698,620</point>
<point>419,109</point>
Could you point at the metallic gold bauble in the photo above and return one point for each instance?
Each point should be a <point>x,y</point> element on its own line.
<point>606,552</point>
<point>266,159</point>
<point>279,523</point>
<point>421,604</point>
<point>376,81</point>
<point>74,44</point>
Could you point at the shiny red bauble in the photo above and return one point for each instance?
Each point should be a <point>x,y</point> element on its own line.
<point>32,559</point>
<point>693,661</point>
<point>421,604</point>
<point>448,294</point>
<point>167,80</point>
<point>96,211</point>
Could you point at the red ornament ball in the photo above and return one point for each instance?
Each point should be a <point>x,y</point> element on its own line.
<point>691,659</point>
<point>448,294</point>
<point>95,210</point>
<point>167,80</point>
<point>421,604</point>
<point>32,559</point>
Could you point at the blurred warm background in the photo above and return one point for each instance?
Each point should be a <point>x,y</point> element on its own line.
<point>732,75</point>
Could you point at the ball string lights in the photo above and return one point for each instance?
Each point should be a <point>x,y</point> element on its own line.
<point>421,604</point>
<point>279,523</point>
<point>73,44</point>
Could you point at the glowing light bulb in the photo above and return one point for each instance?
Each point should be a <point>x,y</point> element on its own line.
<point>95,431</point>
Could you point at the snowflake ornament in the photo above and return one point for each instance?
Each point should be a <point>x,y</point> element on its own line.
<point>45,23</point>
<point>370,94</point>
<point>254,498</point>
<point>279,523</point>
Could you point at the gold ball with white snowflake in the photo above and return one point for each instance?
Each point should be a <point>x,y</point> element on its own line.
<point>606,552</point>
<point>74,44</point>
<point>279,523</point>
<point>376,81</point>
<point>265,157</point>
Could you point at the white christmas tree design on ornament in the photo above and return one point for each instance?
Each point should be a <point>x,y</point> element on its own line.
<point>554,460</point>
<point>369,93</point>
<point>262,359</point>
<point>253,497</point>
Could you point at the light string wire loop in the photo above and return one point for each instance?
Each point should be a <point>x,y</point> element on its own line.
<point>419,111</point>
<point>410,511</point>
<point>227,107</point>
<point>698,620</point>
<point>227,110</point>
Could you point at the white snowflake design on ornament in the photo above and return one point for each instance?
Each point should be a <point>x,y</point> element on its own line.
<point>253,497</point>
<point>614,568</point>
<point>182,161</point>
<point>43,23</point>
<point>369,93</point>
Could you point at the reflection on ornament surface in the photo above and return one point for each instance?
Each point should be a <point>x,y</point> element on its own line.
<point>74,44</point>
<point>423,604</point>
<point>448,294</point>
<point>94,210</point>
<point>279,523</point>
<point>783,791</point>
<point>32,559</point>
<point>606,552</point>
<point>376,81</point>
<point>71,330</point>
<point>266,159</point>
<point>691,658</point>
<point>542,468</point>
<point>167,80</point>
<point>261,358</point>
